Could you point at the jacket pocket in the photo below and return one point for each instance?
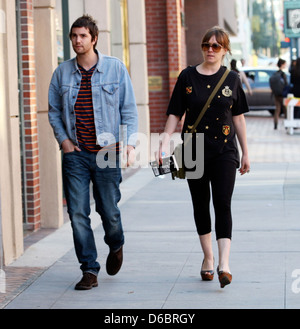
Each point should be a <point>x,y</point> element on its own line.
<point>111,93</point>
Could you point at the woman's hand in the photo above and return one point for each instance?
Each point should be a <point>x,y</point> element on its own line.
<point>162,153</point>
<point>240,128</point>
<point>170,128</point>
<point>245,165</point>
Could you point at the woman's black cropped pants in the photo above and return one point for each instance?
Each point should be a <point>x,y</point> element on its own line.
<point>218,180</point>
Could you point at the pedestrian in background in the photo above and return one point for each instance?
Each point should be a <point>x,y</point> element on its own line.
<point>279,84</point>
<point>220,124</point>
<point>90,96</point>
<point>293,65</point>
<point>242,75</point>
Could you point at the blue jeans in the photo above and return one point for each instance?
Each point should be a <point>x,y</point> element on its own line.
<point>79,169</point>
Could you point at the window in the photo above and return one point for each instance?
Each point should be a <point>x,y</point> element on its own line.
<point>263,77</point>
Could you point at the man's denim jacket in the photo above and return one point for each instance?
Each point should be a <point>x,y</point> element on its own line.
<point>113,101</point>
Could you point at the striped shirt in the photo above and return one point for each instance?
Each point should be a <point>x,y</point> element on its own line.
<point>85,125</point>
<point>85,121</point>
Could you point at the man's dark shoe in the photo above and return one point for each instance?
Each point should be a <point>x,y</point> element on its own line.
<point>87,282</point>
<point>114,261</point>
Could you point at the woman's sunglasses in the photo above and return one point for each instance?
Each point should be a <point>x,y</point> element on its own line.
<point>215,46</point>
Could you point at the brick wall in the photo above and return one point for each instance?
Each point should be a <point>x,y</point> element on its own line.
<point>200,16</point>
<point>166,55</point>
<point>183,45</point>
<point>30,133</point>
<point>176,41</point>
<point>157,53</point>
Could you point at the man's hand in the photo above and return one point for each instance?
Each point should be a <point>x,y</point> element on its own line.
<point>129,155</point>
<point>68,146</point>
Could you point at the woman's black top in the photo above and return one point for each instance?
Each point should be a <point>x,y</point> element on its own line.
<point>295,81</point>
<point>190,94</point>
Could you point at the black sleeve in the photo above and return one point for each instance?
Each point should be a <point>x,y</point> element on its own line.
<point>177,104</point>
<point>240,104</point>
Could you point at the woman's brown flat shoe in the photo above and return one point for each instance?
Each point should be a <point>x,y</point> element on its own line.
<point>225,278</point>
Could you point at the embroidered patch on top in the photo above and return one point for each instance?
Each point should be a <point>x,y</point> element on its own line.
<point>189,90</point>
<point>226,130</point>
<point>227,92</point>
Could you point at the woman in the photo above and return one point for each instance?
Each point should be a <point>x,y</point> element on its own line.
<point>279,98</point>
<point>242,75</point>
<point>221,121</point>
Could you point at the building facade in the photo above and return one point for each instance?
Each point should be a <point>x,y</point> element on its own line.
<point>174,32</point>
<point>202,15</point>
<point>10,168</point>
<point>166,51</point>
<point>155,39</point>
<point>33,41</point>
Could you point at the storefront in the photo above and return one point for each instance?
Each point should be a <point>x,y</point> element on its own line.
<point>33,41</point>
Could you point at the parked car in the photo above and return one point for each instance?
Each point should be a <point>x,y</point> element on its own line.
<point>261,98</point>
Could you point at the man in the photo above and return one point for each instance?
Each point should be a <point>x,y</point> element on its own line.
<point>90,98</point>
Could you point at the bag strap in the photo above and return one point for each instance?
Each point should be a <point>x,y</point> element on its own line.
<point>206,106</point>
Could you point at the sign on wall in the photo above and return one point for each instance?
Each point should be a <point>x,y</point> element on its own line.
<point>292,19</point>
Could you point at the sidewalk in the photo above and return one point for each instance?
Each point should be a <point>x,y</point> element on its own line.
<point>162,254</point>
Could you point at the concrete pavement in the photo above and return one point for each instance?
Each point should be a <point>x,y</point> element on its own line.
<point>162,254</point>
